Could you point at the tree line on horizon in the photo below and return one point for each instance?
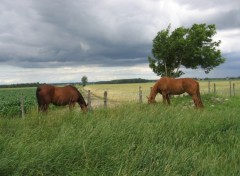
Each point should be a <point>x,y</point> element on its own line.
<point>117,81</point>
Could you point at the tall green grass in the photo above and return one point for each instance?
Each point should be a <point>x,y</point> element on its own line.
<point>132,139</point>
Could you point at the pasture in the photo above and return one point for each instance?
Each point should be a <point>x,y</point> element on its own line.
<point>129,139</point>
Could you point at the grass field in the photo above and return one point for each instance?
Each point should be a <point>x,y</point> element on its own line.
<point>131,139</point>
<point>128,139</point>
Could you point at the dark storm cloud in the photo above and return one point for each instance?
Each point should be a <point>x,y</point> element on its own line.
<point>232,63</point>
<point>227,20</point>
<point>207,4</point>
<point>224,13</point>
<point>60,33</point>
<point>223,20</point>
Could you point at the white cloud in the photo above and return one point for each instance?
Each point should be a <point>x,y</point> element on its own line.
<point>73,74</point>
<point>230,40</point>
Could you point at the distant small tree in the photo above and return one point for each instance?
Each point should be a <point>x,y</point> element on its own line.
<point>84,80</point>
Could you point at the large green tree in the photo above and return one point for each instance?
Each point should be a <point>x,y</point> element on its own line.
<point>185,47</point>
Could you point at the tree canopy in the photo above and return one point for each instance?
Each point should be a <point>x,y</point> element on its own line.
<point>84,80</point>
<point>185,47</point>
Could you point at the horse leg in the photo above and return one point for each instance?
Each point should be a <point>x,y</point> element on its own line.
<point>45,108</point>
<point>196,100</point>
<point>71,106</point>
<point>168,98</point>
<point>164,96</point>
<point>39,108</point>
<point>200,104</point>
<point>200,101</point>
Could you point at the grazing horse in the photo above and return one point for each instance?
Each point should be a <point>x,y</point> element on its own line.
<point>170,86</point>
<point>59,96</point>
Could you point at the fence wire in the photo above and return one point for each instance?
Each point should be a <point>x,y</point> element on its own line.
<point>139,95</point>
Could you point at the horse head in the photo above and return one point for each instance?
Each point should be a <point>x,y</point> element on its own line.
<point>84,107</point>
<point>151,100</point>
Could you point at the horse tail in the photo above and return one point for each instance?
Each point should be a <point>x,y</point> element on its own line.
<point>199,96</point>
<point>38,96</point>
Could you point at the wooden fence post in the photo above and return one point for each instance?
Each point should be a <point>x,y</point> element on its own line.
<point>214,88</point>
<point>22,106</point>
<point>105,99</point>
<point>140,94</point>
<point>233,89</point>
<point>209,86</point>
<point>89,100</point>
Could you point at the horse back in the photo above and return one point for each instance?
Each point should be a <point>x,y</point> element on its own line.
<point>177,86</point>
<point>189,82</point>
<point>64,95</point>
<point>170,86</point>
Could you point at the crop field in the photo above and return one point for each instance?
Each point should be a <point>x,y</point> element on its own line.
<point>10,104</point>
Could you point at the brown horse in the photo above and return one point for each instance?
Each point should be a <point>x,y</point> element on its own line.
<point>170,86</point>
<point>59,96</point>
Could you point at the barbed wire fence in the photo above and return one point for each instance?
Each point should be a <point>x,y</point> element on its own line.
<point>140,96</point>
<point>109,99</point>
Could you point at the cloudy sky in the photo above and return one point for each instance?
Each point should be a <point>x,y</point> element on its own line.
<point>61,41</point>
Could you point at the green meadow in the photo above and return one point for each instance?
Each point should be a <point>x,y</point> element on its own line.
<point>128,139</point>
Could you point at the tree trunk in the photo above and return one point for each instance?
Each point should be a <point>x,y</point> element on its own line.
<point>166,70</point>
<point>179,65</point>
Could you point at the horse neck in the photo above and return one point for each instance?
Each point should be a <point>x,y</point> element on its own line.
<point>153,92</point>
